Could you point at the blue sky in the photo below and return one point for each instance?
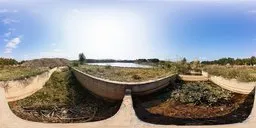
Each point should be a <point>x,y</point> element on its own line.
<point>127,29</point>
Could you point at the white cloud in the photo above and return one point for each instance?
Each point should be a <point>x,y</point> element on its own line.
<point>75,10</point>
<point>11,29</point>
<point>8,50</point>
<point>9,21</point>
<point>7,34</point>
<point>57,50</point>
<point>55,53</point>
<point>3,10</point>
<point>13,43</point>
<point>252,11</point>
<point>14,11</point>
<point>8,11</point>
<point>53,44</point>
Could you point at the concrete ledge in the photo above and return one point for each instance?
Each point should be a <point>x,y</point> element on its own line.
<point>19,89</point>
<point>193,78</point>
<point>124,118</point>
<point>231,84</point>
<point>116,90</point>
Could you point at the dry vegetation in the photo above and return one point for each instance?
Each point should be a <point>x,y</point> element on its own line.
<point>19,72</point>
<point>195,103</point>
<point>125,74</point>
<point>241,73</point>
<point>63,100</point>
<point>46,62</point>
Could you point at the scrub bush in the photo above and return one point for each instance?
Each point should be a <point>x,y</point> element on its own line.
<point>201,93</point>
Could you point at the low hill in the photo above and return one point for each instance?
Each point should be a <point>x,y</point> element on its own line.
<point>46,62</point>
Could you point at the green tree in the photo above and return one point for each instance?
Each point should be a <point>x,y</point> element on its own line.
<point>82,58</point>
<point>253,60</point>
<point>184,61</point>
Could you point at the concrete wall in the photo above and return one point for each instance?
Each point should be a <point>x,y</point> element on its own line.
<point>106,89</point>
<point>19,89</point>
<point>116,90</point>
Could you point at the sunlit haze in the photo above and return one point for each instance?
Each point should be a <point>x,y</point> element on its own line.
<point>166,30</point>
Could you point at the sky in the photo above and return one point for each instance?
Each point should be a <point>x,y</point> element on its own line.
<point>127,29</point>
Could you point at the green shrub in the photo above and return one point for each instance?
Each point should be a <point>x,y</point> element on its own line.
<point>108,67</point>
<point>176,67</point>
<point>75,64</point>
<point>200,93</point>
<point>8,61</point>
<point>136,77</point>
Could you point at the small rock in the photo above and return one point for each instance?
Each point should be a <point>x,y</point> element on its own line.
<point>64,112</point>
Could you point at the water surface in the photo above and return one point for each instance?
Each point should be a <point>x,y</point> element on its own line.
<point>118,64</point>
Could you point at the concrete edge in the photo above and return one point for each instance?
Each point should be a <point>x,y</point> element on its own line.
<point>193,78</point>
<point>114,90</point>
<point>231,84</point>
<point>122,83</point>
<point>124,118</point>
<point>29,87</point>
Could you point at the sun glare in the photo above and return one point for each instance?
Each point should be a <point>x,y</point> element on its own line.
<point>105,31</point>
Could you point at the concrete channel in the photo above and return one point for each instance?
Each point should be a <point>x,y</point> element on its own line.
<point>19,89</point>
<point>124,118</point>
<point>115,90</point>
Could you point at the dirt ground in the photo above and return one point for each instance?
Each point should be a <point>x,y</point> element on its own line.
<point>157,110</point>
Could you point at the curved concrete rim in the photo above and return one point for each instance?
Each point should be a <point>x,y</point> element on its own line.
<point>124,118</point>
<point>115,90</point>
<point>123,83</point>
<point>36,83</point>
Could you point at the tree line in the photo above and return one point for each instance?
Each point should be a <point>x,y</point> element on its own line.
<point>153,60</point>
<point>232,61</point>
<point>8,61</point>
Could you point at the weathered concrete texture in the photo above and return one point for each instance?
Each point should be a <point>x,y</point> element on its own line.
<point>124,118</point>
<point>193,78</point>
<point>231,84</point>
<point>205,74</point>
<point>19,89</point>
<point>116,90</point>
<point>195,73</point>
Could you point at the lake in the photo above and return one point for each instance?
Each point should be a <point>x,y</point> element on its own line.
<point>118,64</point>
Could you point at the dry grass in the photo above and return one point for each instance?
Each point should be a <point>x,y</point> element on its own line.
<point>125,74</point>
<point>241,73</point>
<point>18,72</point>
<point>63,100</point>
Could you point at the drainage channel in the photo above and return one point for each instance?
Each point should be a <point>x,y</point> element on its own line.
<point>139,111</point>
<point>64,100</point>
<point>175,105</point>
